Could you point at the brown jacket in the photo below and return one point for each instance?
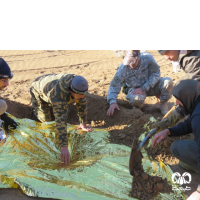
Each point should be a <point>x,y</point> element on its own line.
<point>190,62</point>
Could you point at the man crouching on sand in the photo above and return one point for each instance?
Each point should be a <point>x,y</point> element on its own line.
<point>50,96</point>
<point>140,76</point>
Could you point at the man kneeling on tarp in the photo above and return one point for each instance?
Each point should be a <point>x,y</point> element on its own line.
<point>187,151</point>
<point>50,96</point>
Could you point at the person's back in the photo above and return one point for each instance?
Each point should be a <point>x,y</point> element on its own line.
<point>53,86</point>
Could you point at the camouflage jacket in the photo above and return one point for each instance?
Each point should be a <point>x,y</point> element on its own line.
<point>144,76</point>
<point>54,89</point>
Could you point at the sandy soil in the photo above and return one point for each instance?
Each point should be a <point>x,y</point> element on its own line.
<point>98,67</point>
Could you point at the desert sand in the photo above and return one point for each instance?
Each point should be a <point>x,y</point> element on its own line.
<point>98,67</point>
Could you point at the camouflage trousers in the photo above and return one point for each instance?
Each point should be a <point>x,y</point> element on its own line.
<point>163,90</point>
<point>42,110</point>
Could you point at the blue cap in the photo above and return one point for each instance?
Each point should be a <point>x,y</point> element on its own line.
<point>79,85</point>
<point>5,71</point>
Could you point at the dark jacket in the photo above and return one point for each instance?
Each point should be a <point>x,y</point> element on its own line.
<point>190,125</point>
<point>190,62</point>
<point>186,91</point>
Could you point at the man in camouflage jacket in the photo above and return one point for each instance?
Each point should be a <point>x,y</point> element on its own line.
<point>50,96</point>
<point>140,74</point>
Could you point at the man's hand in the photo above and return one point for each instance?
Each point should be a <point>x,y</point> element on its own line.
<point>161,124</point>
<point>194,196</point>
<point>138,91</point>
<point>111,109</point>
<point>160,136</point>
<point>8,121</point>
<point>85,128</point>
<point>65,157</point>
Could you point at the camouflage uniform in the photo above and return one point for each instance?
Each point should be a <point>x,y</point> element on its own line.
<point>50,97</point>
<point>145,76</point>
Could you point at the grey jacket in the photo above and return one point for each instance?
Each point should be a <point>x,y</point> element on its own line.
<point>190,62</point>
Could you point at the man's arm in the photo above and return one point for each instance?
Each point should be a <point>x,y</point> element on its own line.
<point>115,85</point>
<point>182,128</point>
<point>154,71</point>
<point>60,112</point>
<point>81,105</point>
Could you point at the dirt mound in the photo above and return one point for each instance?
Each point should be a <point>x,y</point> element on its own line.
<point>162,151</point>
<point>145,187</point>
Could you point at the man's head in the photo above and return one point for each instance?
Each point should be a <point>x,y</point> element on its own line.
<point>132,58</point>
<point>79,87</point>
<point>186,93</point>
<point>171,55</point>
<point>5,74</point>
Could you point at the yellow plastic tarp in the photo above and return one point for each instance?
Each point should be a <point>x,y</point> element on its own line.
<point>30,159</point>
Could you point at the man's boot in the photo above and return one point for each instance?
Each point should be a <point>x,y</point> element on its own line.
<point>163,108</point>
<point>188,167</point>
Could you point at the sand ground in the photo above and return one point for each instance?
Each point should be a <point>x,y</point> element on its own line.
<point>98,67</point>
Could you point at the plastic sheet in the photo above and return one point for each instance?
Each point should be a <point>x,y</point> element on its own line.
<point>30,159</point>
